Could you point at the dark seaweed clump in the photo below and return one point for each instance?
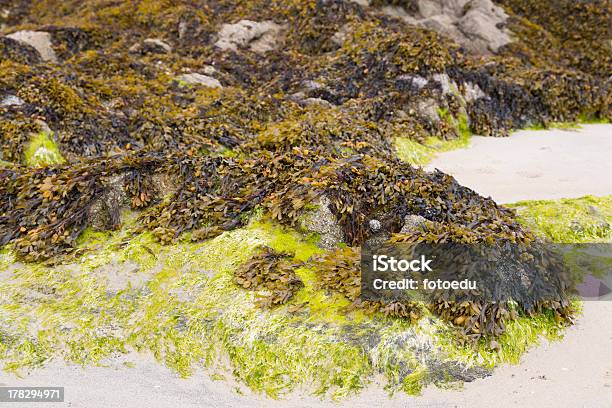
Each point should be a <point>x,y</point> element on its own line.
<point>270,271</point>
<point>313,116</point>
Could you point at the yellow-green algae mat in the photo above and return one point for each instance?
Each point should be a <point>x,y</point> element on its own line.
<point>180,303</point>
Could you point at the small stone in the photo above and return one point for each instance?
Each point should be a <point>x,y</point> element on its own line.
<point>156,46</point>
<point>412,222</point>
<point>375,225</point>
<point>316,101</point>
<point>12,100</point>
<point>199,79</point>
<point>209,70</point>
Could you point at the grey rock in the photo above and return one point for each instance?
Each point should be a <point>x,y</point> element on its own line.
<point>472,91</point>
<point>209,70</point>
<point>442,24</point>
<point>448,86</point>
<point>316,101</point>
<point>340,36</point>
<point>428,108</point>
<point>481,27</point>
<point>11,100</point>
<point>412,223</point>
<point>39,40</point>
<point>311,85</point>
<point>399,12</point>
<point>478,25</point>
<point>155,45</point>
<point>323,222</point>
<point>260,37</point>
<point>199,79</point>
<point>105,212</point>
<point>416,82</point>
<point>429,8</point>
<point>378,235</point>
<point>303,100</point>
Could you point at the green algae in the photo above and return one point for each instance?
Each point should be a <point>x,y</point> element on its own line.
<point>180,303</point>
<point>43,151</point>
<point>576,220</point>
<point>421,153</point>
<point>187,313</point>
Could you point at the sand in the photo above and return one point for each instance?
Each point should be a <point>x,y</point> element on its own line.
<point>535,164</point>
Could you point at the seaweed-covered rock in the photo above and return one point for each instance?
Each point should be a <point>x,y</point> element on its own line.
<point>478,25</point>
<point>323,222</point>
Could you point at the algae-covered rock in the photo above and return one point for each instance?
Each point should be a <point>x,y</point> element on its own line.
<point>42,149</point>
<point>322,221</point>
<point>18,51</point>
<point>151,45</point>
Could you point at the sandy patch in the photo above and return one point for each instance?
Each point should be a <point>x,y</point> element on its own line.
<point>534,164</point>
